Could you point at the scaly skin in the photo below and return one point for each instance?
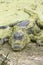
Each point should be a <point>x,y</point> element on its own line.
<point>37,30</point>
<point>24,31</point>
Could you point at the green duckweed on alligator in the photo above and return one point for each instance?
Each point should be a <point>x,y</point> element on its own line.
<point>21,33</point>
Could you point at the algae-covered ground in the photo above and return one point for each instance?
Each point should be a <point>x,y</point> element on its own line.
<point>12,11</point>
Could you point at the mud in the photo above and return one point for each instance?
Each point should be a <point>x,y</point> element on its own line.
<point>31,55</point>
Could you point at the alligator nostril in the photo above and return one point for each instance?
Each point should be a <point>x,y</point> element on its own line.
<point>18,36</point>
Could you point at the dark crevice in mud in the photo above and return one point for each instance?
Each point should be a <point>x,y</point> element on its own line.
<point>40,26</point>
<point>37,44</point>
<point>34,41</point>
<point>3,27</point>
<point>13,24</point>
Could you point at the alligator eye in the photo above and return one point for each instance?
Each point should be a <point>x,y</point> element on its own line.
<point>18,36</point>
<point>3,27</point>
<point>23,23</point>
